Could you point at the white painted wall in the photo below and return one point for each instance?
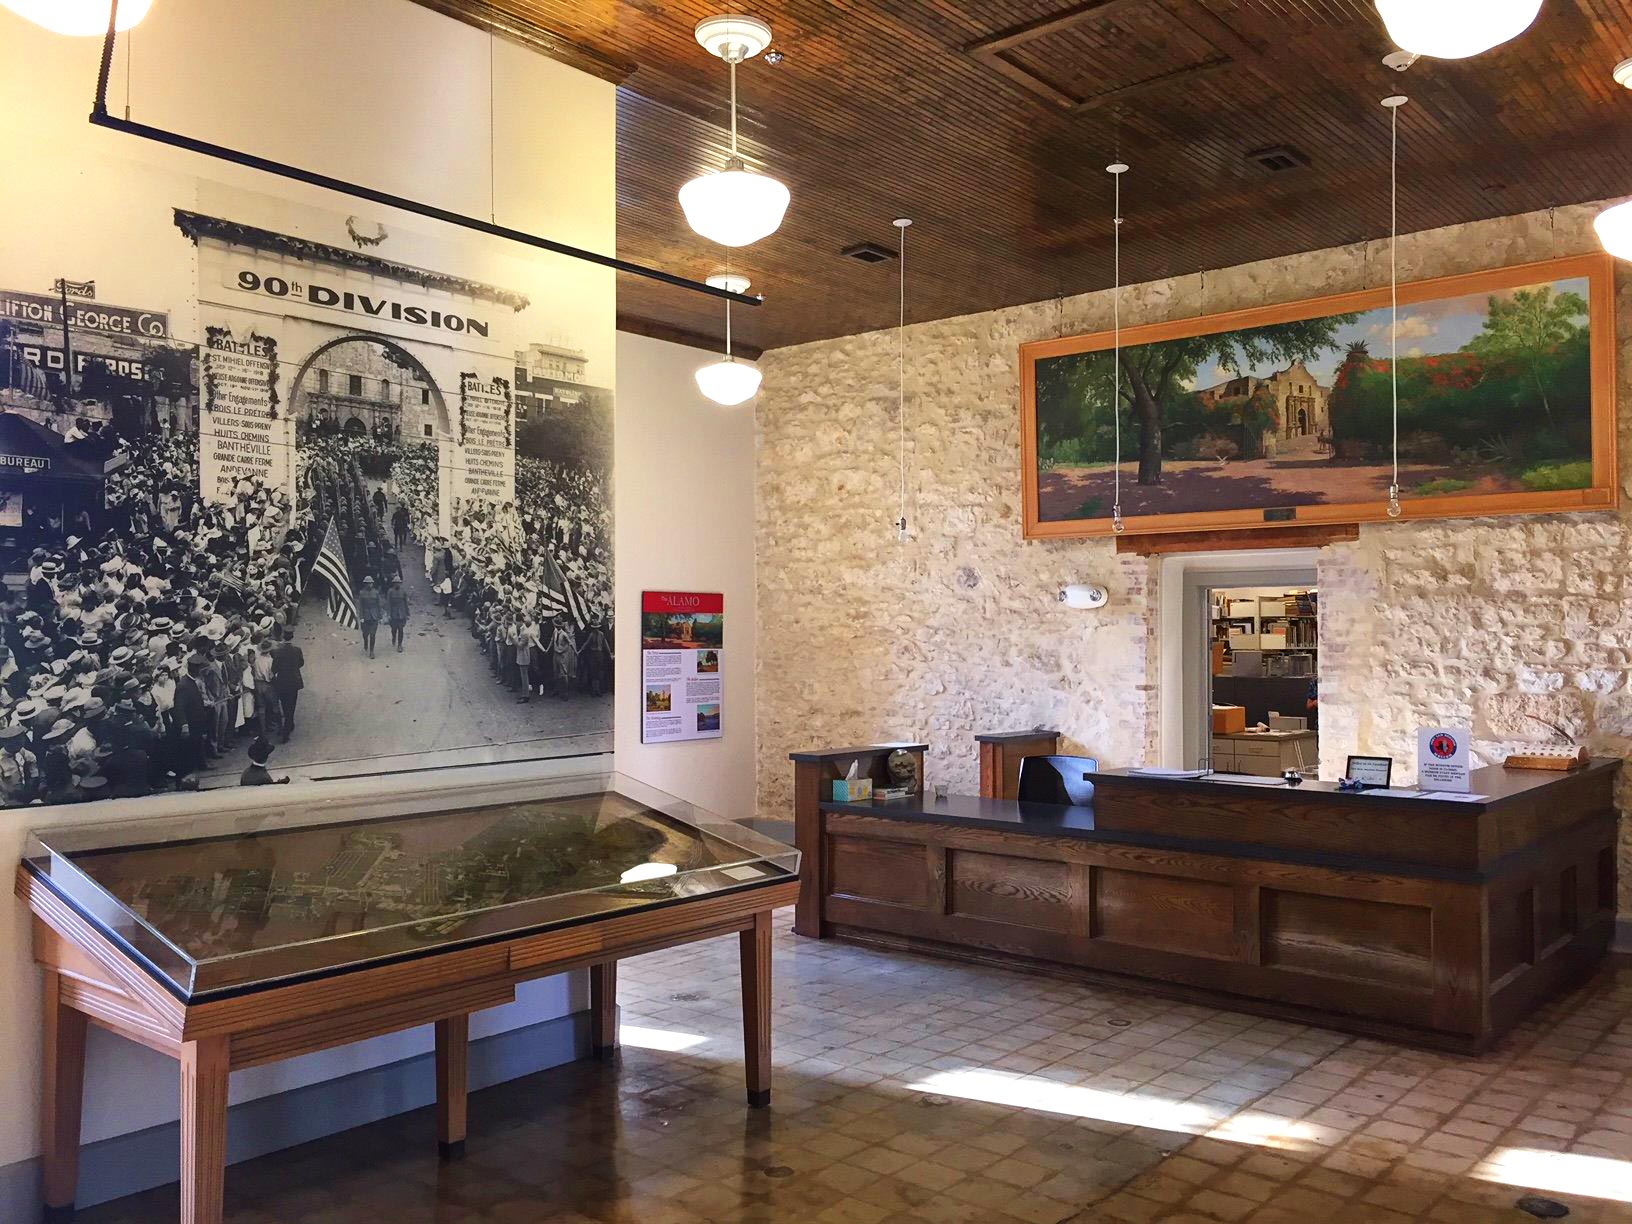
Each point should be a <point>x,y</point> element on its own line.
<point>381,92</point>
<point>685,522</point>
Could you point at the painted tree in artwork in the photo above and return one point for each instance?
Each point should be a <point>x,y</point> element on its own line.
<point>1152,373</point>
<point>1526,328</point>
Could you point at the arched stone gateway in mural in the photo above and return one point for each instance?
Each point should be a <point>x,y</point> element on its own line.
<point>370,384</point>
<point>273,306</point>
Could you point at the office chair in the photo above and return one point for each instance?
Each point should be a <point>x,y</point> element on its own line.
<point>1056,779</point>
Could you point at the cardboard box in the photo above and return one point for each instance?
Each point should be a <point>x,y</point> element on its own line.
<point>1228,719</point>
<point>1272,641</point>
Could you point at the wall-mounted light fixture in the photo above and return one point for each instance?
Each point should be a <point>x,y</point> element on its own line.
<point>1085,595</point>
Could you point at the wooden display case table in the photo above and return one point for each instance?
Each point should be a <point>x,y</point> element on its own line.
<point>227,942</point>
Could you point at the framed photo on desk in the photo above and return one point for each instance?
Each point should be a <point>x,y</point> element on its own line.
<point>1370,771</point>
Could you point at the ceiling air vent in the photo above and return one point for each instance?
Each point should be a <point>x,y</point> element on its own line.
<point>1279,157</point>
<point>868,252</point>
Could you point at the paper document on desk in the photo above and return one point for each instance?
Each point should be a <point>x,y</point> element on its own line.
<point>1454,796</point>
<point>1245,779</point>
<point>1156,771</point>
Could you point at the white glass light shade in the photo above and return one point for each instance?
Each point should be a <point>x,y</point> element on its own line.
<point>78,16</point>
<point>1614,226</point>
<point>734,206</point>
<point>728,382</point>
<point>1455,29</point>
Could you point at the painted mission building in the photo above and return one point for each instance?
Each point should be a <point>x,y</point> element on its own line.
<point>1301,403</point>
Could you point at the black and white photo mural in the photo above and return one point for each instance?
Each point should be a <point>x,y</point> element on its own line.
<point>339,506</point>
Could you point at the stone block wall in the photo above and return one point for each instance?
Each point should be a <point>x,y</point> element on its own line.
<point>1503,624</point>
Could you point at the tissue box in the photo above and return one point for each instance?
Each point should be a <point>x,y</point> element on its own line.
<point>852,790</point>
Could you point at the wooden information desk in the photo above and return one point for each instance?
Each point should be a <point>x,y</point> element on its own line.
<point>1434,922</point>
<point>230,941</point>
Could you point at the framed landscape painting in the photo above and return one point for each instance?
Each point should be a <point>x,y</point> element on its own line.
<point>1284,414</point>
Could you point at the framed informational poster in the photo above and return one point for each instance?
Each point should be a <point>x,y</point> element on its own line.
<point>682,636</point>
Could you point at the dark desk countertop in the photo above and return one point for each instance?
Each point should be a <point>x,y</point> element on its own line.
<point>1051,820</point>
<point>842,754</point>
<point>1498,784</point>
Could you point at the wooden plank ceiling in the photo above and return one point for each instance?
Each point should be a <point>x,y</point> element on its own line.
<point>990,122</point>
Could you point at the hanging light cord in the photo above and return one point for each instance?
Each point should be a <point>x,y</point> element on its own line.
<point>1394,103</point>
<point>1117,525</point>
<point>492,161</point>
<point>731,59</point>
<point>901,383</point>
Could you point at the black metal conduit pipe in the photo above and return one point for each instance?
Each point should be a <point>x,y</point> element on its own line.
<point>101,118</point>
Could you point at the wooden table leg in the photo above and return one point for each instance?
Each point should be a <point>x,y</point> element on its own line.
<point>64,1100</point>
<point>452,1084</point>
<point>205,1070</point>
<point>756,1008</point>
<point>603,1009</point>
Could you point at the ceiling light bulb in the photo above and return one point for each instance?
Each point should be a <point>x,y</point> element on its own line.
<point>734,206</point>
<point>728,382</point>
<point>79,17</point>
<point>1623,74</point>
<point>1455,29</point>
<point>1614,226</point>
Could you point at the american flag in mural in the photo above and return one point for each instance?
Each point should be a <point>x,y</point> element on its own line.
<point>557,596</point>
<point>331,564</point>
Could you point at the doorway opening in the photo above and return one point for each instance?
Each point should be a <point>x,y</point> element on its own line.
<point>1263,676</point>
<point>1252,669</point>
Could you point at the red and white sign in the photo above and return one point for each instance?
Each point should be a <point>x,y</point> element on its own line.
<point>682,639</point>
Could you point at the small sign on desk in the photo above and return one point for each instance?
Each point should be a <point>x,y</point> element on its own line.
<point>1442,759</point>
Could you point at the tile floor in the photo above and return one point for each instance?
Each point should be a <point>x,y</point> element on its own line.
<point>916,1090</point>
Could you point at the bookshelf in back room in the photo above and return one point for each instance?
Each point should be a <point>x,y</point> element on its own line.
<point>1264,666</point>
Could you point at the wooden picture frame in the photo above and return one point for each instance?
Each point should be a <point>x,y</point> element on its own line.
<point>1451,494</point>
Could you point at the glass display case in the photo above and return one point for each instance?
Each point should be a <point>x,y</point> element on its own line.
<point>224,903</point>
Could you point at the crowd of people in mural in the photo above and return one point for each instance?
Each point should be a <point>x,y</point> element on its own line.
<point>533,576</point>
<point>154,639</point>
<point>159,635</point>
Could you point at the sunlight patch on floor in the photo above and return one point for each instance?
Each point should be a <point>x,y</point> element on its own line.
<point>658,1039</point>
<point>1072,1100</point>
<point>1598,1177</point>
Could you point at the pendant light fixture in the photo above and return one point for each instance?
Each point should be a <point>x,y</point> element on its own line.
<point>728,382</point>
<point>734,206</point>
<point>1614,224</point>
<point>901,223</point>
<point>1116,170</point>
<point>1614,228</point>
<point>1394,103</point>
<point>78,17</point>
<point>1455,29</point>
